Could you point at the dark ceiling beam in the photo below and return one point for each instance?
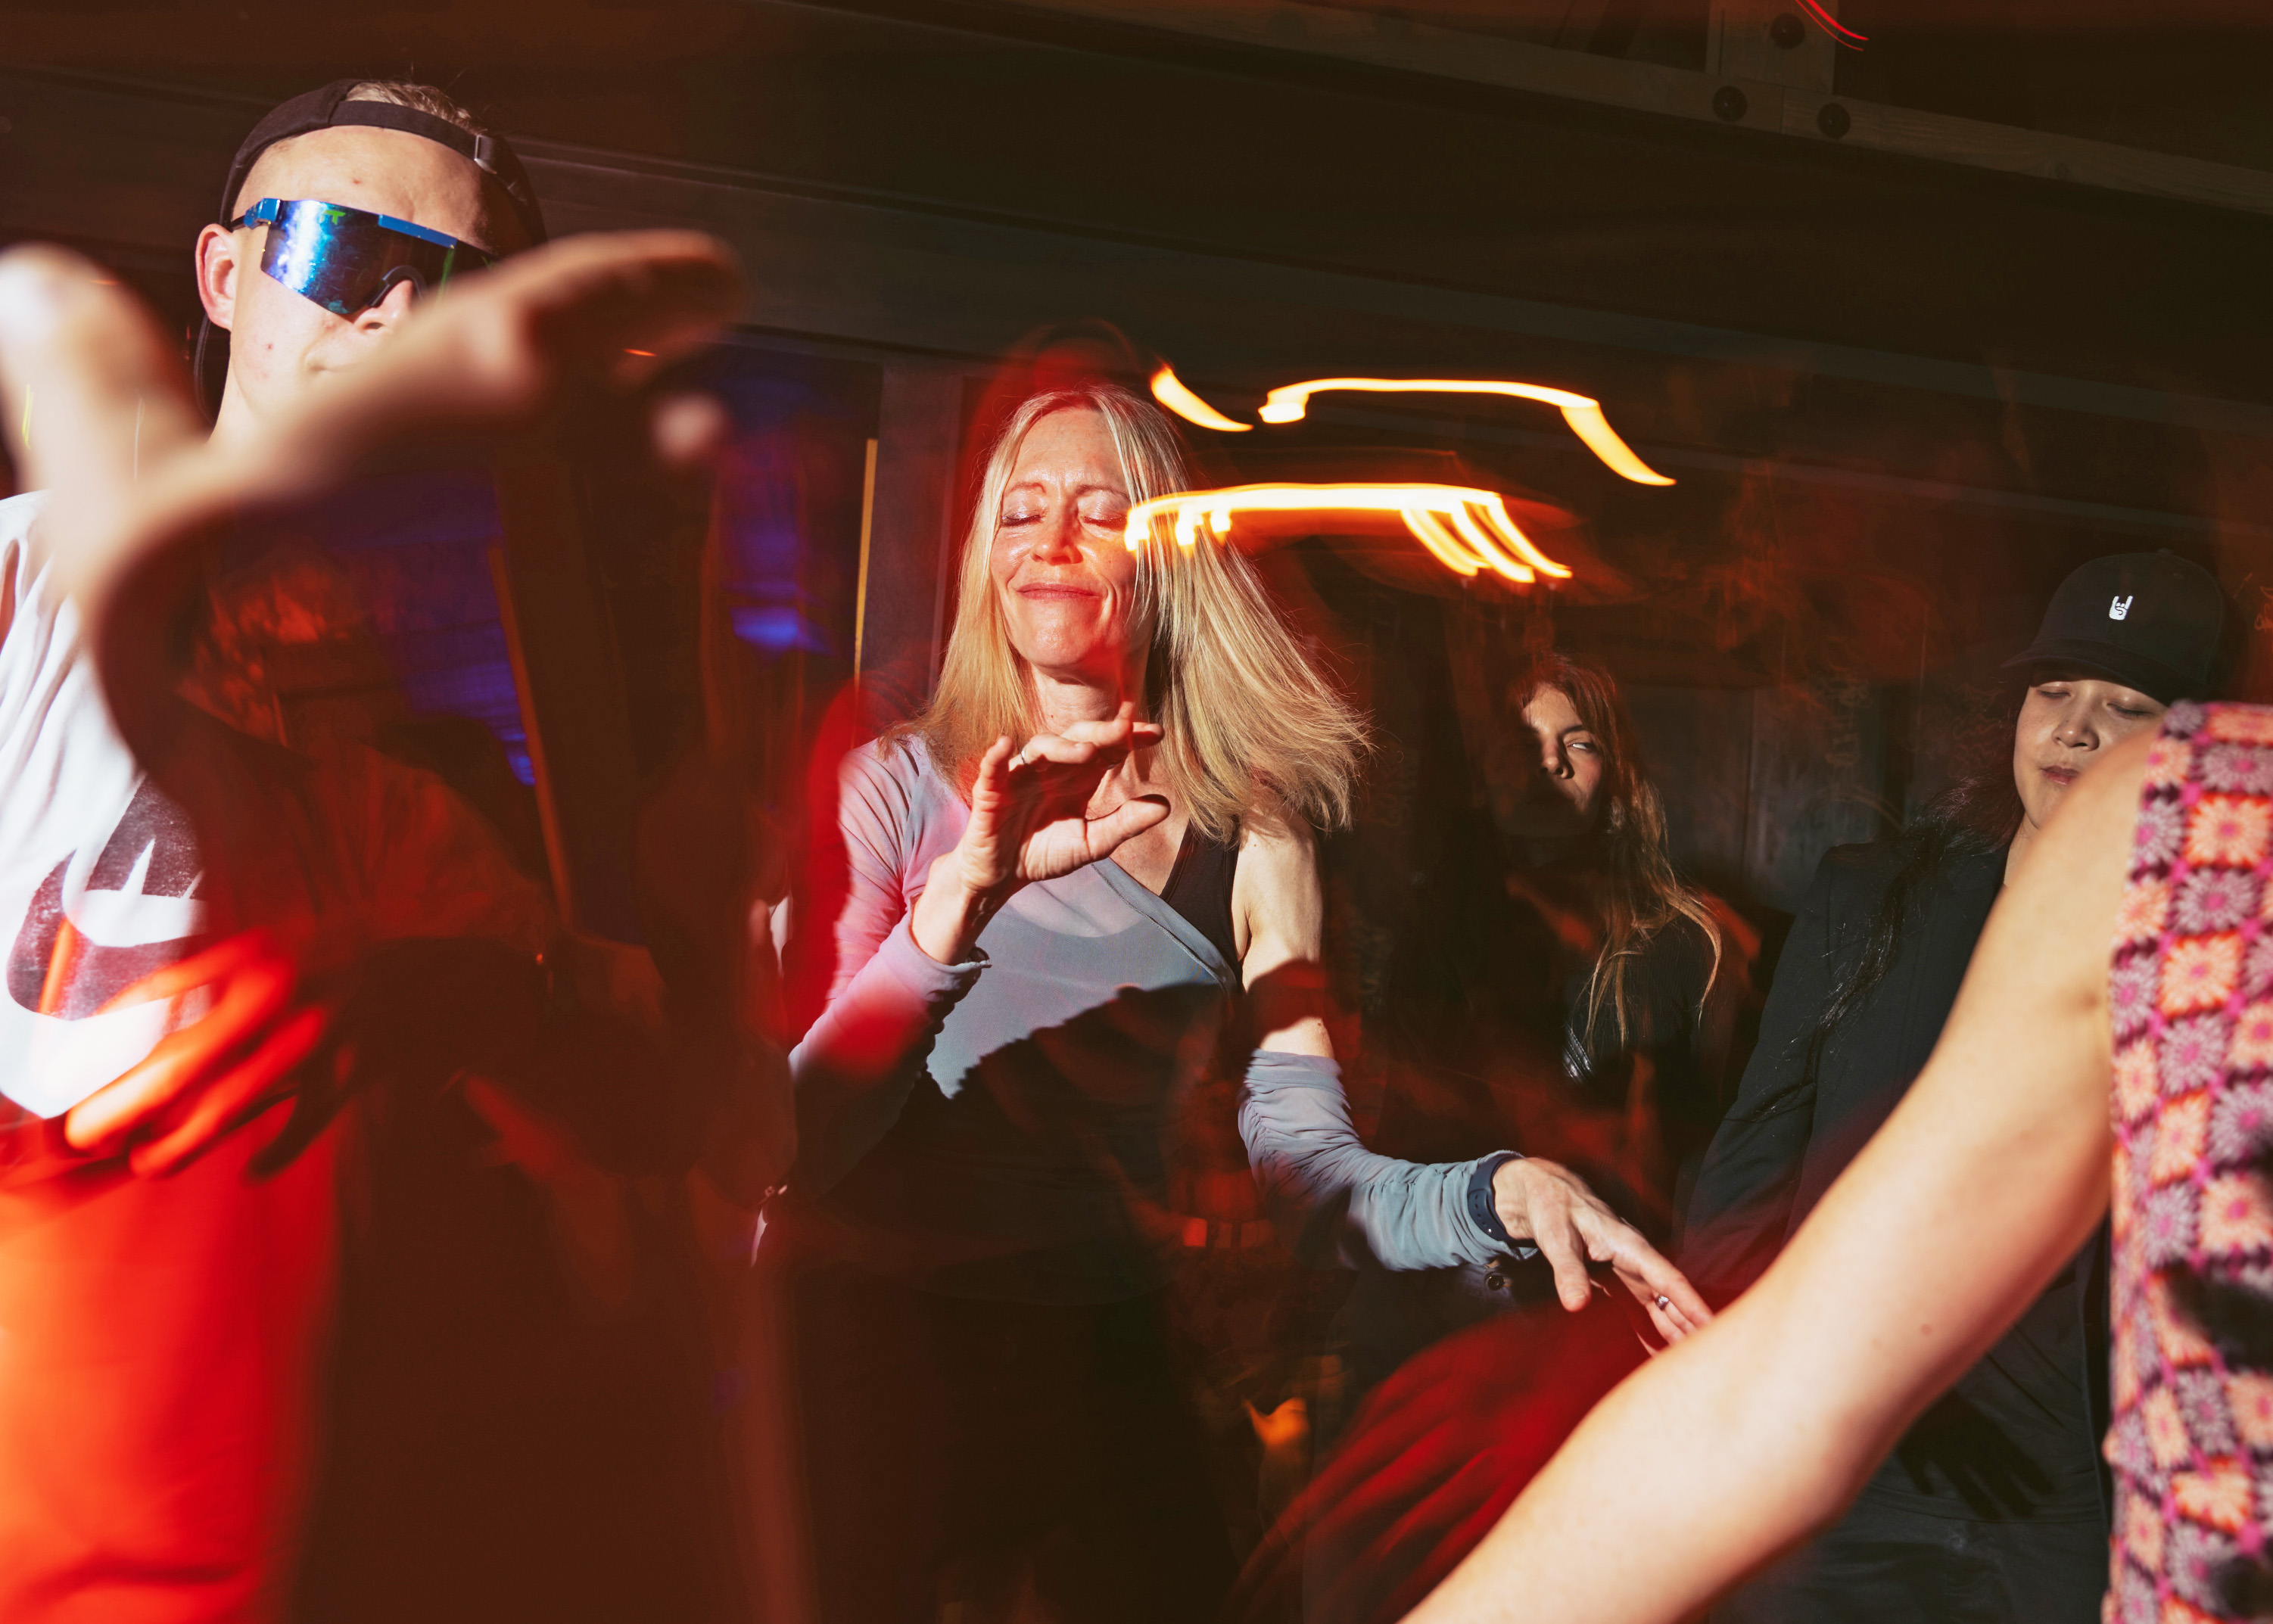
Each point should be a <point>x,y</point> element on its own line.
<point>1796,110</point>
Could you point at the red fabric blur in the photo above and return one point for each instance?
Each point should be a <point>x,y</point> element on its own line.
<point>1437,1454</point>
<point>159,1345</point>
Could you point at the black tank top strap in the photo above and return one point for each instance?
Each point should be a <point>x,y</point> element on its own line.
<point>1199,887</point>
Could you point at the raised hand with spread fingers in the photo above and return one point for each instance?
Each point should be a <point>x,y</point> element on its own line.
<point>1044,810</point>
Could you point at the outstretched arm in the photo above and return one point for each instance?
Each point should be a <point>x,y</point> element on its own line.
<point>133,487</point>
<point>1710,1461</point>
<point>129,507</point>
<point>1310,1160</point>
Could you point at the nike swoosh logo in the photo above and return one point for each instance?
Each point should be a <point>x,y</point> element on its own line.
<point>55,970</point>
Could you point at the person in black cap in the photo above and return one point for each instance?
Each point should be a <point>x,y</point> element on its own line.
<point>1994,1506</point>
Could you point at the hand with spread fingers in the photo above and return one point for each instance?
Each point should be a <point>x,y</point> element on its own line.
<point>1547,1205</point>
<point>1039,812</point>
<point>203,1079</point>
<point>109,430</point>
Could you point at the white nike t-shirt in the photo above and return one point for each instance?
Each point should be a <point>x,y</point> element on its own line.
<point>98,873</point>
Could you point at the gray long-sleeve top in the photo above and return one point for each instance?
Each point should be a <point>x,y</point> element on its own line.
<point>998,1128</point>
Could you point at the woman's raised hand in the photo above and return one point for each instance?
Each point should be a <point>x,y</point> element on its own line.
<point>1036,812</point>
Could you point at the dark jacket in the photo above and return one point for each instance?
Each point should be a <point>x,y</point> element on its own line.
<point>1990,1447</point>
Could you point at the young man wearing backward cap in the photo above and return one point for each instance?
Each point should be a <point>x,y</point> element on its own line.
<point>197,923</point>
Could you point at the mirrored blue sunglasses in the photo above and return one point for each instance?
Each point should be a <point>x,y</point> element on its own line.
<point>346,260</point>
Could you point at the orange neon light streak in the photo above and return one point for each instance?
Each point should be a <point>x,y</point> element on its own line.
<point>1172,392</point>
<point>1469,530</point>
<point>1289,402</point>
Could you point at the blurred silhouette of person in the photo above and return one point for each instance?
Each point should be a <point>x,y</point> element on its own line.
<point>1997,1492</point>
<point>1090,858</point>
<point>235,929</point>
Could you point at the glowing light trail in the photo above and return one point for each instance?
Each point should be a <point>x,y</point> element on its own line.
<point>1288,403</point>
<point>1468,530</point>
<point>1171,392</point>
<point>1837,30</point>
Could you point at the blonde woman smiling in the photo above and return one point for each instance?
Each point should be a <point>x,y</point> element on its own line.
<point>1062,880</point>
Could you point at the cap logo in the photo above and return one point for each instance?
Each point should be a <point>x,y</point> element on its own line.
<point>2120,608</point>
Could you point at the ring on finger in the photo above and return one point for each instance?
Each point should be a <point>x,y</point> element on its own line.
<point>1663,1301</point>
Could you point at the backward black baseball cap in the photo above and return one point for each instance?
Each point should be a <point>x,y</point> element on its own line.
<point>2149,620</point>
<point>328,108</point>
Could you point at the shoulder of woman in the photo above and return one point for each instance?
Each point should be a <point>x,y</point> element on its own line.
<point>899,759</point>
<point>1865,861</point>
<point>891,780</point>
<point>1272,841</point>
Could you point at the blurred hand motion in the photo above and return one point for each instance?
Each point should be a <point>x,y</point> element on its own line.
<point>1438,1455</point>
<point>207,1077</point>
<point>135,487</point>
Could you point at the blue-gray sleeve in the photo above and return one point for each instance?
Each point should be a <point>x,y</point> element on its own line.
<point>1334,1199</point>
<point>859,1062</point>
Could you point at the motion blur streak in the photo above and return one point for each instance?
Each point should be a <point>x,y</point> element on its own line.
<point>1831,26</point>
<point>1467,529</point>
<point>1288,403</point>
<point>1171,392</point>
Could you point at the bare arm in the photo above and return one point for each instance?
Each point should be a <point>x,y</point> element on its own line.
<point>1279,925</point>
<point>1707,1462</point>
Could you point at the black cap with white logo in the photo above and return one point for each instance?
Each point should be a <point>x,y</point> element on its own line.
<point>2149,621</point>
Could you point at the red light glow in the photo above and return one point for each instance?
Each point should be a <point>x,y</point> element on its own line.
<point>1831,26</point>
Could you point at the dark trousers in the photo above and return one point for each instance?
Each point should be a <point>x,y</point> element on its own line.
<point>1887,1565</point>
<point>970,1459</point>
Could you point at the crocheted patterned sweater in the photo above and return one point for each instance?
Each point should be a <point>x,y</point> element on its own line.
<point>2192,995</point>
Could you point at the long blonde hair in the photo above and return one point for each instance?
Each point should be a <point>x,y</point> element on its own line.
<point>1251,729</point>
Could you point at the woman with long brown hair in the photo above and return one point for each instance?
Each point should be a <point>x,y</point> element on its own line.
<point>1647,982</point>
<point>1084,867</point>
